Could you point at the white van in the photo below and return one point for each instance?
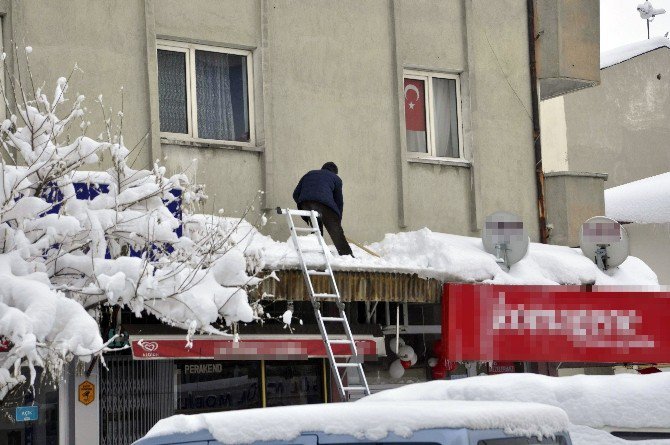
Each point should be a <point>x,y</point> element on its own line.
<point>424,423</point>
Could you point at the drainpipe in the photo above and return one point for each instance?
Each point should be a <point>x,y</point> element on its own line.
<point>537,146</point>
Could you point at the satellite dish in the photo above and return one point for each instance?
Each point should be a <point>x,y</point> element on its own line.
<point>505,237</point>
<point>605,241</point>
<point>648,12</point>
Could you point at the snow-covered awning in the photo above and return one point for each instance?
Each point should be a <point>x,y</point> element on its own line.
<point>442,257</point>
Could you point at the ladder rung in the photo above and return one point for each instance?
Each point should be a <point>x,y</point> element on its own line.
<point>305,229</point>
<point>294,212</point>
<point>312,249</point>
<point>355,388</point>
<point>341,320</point>
<point>326,296</point>
<point>340,342</point>
<point>346,365</point>
<point>318,272</point>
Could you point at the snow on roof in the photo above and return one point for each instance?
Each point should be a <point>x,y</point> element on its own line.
<point>626,52</point>
<point>624,400</point>
<point>644,201</point>
<point>364,421</point>
<point>448,258</point>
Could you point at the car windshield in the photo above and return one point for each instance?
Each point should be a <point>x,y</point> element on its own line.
<point>523,441</point>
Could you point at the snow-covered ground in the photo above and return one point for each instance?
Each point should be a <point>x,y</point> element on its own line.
<point>364,421</point>
<point>448,258</point>
<point>626,401</point>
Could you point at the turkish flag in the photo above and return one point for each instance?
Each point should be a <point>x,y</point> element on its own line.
<point>415,105</point>
<point>415,115</point>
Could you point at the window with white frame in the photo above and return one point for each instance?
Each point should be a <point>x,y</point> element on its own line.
<point>204,93</point>
<point>433,114</point>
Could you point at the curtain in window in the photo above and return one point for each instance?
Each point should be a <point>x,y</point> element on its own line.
<point>215,107</point>
<point>446,118</point>
<point>172,91</point>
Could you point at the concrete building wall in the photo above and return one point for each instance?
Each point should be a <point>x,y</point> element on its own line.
<point>105,40</point>
<point>327,86</point>
<point>622,126</point>
<point>651,243</point>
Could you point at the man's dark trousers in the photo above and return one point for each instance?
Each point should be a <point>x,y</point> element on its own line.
<point>331,220</point>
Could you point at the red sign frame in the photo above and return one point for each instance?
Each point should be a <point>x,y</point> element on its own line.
<point>555,324</point>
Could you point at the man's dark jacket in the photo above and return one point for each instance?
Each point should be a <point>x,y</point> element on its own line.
<point>322,186</point>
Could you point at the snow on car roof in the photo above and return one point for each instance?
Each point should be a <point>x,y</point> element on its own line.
<point>623,400</point>
<point>644,201</point>
<point>367,421</point>
<point>626,52</point>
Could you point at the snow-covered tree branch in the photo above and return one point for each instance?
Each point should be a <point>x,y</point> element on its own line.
<point>71,240</point>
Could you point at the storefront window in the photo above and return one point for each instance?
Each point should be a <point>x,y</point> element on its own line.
<point>294,383</point>
<point>204,386</point>
<point>44,430</point>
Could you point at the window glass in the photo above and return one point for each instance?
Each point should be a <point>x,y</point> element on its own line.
<point>641,435</point>
<point>291,383</point>
<point>204,386</point>
<point>523,441</point>
<point>415,115</point>
<point>172,91</point>
<point>44,395</point>
<point>222,101</point>
<point>446,118</point>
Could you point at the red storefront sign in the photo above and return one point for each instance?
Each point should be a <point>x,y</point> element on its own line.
<point>295,348</point>
<point>556,323</point>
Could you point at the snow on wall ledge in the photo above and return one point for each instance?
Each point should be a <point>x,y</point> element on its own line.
<point>365,421</point>
<point>448,258</point>
<point>645,201</point>
<point>626,52</point>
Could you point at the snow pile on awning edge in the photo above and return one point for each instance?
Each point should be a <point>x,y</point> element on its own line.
<point>444,257</point>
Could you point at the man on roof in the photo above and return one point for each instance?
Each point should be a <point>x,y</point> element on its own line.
<point>321,190</point>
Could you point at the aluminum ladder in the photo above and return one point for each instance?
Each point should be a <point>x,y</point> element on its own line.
<point>351,363</point>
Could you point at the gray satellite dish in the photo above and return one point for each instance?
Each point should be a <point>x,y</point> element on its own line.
<point>604,241</point>
<point>505,237</point>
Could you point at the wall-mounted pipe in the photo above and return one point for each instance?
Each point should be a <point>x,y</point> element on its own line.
<point>537,146</point>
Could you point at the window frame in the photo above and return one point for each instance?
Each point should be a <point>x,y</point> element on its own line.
<point>427,78</point>
<point>189,50</point>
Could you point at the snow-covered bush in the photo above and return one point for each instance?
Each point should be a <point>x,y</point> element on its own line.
<point>63,254</point>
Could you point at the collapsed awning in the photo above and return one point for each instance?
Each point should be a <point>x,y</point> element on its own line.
<point>251,347</point>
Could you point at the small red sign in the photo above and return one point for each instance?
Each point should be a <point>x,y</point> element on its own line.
<point>556,323</point>
<point>299,349</point>
<point>5,345</point>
